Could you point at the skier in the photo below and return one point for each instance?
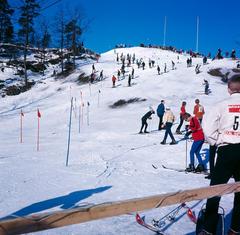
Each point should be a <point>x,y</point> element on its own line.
<point>205,60</point>
<point>129,80</point>
<point>165,68</point>
<point>92,77</point>
<point>221,127</point>
<point>138,63</point>
<point>160,113</point>
<point>144,121</point>
<point>233,54</point>
<point>101,75</point>
<point>150,63</point>
<point>113,80</point>
<point>118,75</point>
<point>197,68</point>
<point>182,113</point>
<point>168,120</point>
<point>93,68</point>
<point>133,58</point>
<point>198,110</point>
<point>173,65</point>
<point>190,62</point>
<point>153,63</point>
<point>132,73</point>
<point>219,54</point>
<point>143,65</point>
<point>198,140</point>
<point>158,69</point>
<point>206,87</point>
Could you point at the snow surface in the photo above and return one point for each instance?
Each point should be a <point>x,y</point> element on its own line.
<point>108,160</point>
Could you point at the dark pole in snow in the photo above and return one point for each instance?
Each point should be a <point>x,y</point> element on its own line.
<point>69,131</point>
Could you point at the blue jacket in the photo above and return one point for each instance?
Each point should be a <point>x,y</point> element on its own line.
<point>160,109</point>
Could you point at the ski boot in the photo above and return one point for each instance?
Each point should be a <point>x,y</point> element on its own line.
<point>190,168</point>
<point>200,168</point>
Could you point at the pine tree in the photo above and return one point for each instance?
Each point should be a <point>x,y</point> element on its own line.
<point>6,26</point>
<point>72,32</point>
<point>59,30</point>
<point>29,11</point>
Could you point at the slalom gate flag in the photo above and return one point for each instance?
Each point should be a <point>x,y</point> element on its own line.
<point>38,113</point>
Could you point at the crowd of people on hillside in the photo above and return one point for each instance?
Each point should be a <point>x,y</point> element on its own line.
<point>166,121</point>
<point>221,129</point>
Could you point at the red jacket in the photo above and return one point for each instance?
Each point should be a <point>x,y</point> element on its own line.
<point>195,127</point>
<point>183,110</point>
<point>114,78</point>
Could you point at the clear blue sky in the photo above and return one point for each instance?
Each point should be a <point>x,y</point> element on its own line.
<point>136,21</point>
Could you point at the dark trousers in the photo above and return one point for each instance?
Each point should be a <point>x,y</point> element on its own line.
<point>227,165</point>
<point>160,122</point>
<point>144,125</point>
<point>168,132</point>
<point>212,153</point>
<point>180,124</point>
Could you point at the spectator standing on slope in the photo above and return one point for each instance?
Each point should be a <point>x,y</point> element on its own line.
<point>198,110</point>
<point>206,87</point>
<point>158,69</point>
<point>222,128</point>
<point>144,121</point>
<point>129,80</point>
<point>182,112</point>
<point>168,120</point>
<point>160,113</point>
<point>133,73</point>
<point>198,140</point>
<point>113,81</point>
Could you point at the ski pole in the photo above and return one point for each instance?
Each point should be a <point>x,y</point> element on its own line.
<point>186,154</point>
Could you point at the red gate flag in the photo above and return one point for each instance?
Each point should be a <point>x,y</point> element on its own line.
<point>38,113</point>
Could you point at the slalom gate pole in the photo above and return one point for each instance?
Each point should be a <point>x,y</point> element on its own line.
<point>38,133</point>
<point>99,98</point>
<point>69,131</point>
<point>90,91</point>
<point>88,104</point>
<point>75,108</point>
<point>21,126</point>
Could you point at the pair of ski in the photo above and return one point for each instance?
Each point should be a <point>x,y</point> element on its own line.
<point>157,225</point>
<point>181,170</point>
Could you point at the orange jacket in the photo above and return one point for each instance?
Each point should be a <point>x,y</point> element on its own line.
<point>198,111</point>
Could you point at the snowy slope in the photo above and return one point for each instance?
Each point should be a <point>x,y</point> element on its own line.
<point>108,161</point>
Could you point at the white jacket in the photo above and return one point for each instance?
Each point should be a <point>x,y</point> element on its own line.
<point>168,117</point>
<point>221,125</point>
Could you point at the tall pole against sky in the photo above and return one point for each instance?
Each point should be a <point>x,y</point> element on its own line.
<point>197,33</point>
<point>164,31</point>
